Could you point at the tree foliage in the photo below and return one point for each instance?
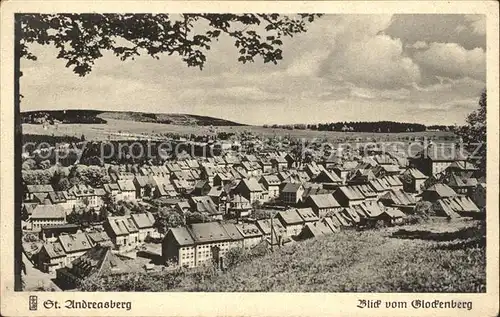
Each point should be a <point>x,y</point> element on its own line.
<point>82,38</point>
<point>474,133</point>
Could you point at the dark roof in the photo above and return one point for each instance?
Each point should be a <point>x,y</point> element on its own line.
<point>291,187</point>
<point>75,242</point>
<point>399,197</point>
<point>415,173</point>
<point>48,212</point>
<point>39,188</point>
<point>122,225</point>
<point>350,193</point>
<point>54,250</point>
<point>442,190</point>
<point>324,201</point>
<point>182,236</point>
<point>208,232</point>
<point>249,230</point>
<point>290,217</point>
<point>143,220</point>
<point>307,214</point>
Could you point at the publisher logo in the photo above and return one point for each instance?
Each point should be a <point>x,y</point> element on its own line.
<point>33,302</point>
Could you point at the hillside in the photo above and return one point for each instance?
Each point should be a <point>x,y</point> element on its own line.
<point>101,117</point>
<point>349,261</point>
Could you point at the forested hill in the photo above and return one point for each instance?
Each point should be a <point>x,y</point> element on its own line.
<point>97,116</point>
<point>364,126</point>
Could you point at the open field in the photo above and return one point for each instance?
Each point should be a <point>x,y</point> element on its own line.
<point>120,129</point>
<point>347,261</point>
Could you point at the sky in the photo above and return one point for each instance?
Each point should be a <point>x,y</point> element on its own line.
<point>421,68</point>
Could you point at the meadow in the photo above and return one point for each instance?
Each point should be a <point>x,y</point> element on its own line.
<point>120,129</point>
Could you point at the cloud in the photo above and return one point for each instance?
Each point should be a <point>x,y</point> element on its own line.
<point>452,60</point>
<point>308,64</point>
<point>375,61</point>
<point>235,94</point>
<point>477,23</point>
<point>418,45</point>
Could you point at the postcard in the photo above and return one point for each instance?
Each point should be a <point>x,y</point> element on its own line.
<point>249,158</point>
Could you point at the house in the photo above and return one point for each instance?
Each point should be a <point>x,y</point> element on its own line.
<point>333,225</point>
<point>178,248</point>
<point>251,190</point>
<point>436,158</point>
<point>42,215</point>
<point>436,192</point>
<point>239,206</point>
<point>279,163</point>
<point>50,233</point>
<point>367,191</point>
<point>392,216</point>
<point>398,198</point>
<point>314,189</point>
<point>112,189</point>
<point>51,257</point>
<point>393,181</point>
<point>74,245</point>
<point>222,179</point>
<point>360,176</point>
<point>322,204</point>
<point>266,165</point>
<point>201,188</point>
<point>127,189</point>
<point>328,179</point>
<point>272,184</point>
<point>141,186</point>
<point>181,186</point>
<point>380,186</point>
<point>370,210</point>
<point>205,205</point>
<point>343,169</point>
<point>182,207</point>
<point>123,232</point>
<point>307,214</point>
<point>312,169</point>
<point>99,238</point>
<point>291,221</point>
<point>165,190</point>
<point>462,168</point>
<point>40,191</point>
<point>341,220</point>
<point>413,180</point>
<point>212,242</point>
<point>266,226</point>
<point>88,196</point>
<point>348,196</point>
<point>314,230</point>
<point>251,234</point>
<point>353,215</point>
<point>291,193</point>
<point>144,222</point>
<point>386,170</point>
<point>460,184</point>
<point>252,169</point>
<point>98,262</point>
<point>457,206</point>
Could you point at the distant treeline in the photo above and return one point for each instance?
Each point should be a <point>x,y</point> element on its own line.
<point>362,126</point>
<point>67,116</point>
<point>49,139</point>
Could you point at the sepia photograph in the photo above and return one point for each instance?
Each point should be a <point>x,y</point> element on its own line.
<point>318,152</point>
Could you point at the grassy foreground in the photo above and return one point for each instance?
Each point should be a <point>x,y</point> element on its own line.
<point>349,261</point>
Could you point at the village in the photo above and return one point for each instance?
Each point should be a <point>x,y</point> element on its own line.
<point>108,218</point>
